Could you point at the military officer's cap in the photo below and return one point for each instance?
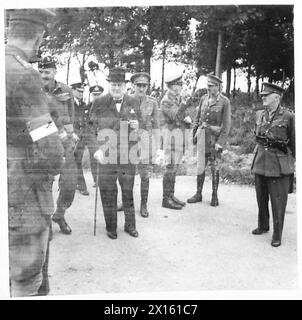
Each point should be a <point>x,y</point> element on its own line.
<point>213,80</point>
<point>174,77</point>
<point>117,74</point>
<point>47,62</point>
<point>77,86</point>
<point>96,89</point>
<point>37,16</point>
<point>268,88</point>
<point>140,77</point>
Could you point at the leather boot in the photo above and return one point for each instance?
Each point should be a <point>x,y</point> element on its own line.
<point>144,197</point>
<point>167,193</point>
<point>215,182</point>
<point>198,195</point>
<point>173,198</point>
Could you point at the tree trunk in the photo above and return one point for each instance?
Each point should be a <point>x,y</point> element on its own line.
<point>68,68</point>
<point>218,55</point>
<point>249,83</point>
<point>257,85</point>
<point>163,68</point>
<point>148,49</point>
<point>234,83</point>
<point>228,86</point>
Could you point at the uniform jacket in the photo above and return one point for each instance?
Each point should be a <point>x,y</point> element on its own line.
<point>81,115</point>
<point>173,112</point>
<point>272,162</point>
<point>217,116</point>
<point>149,120</point>
<point>30,164</point>
<point>104,115</point>
<point>61,102</point>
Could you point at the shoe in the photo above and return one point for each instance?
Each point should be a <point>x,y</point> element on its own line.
<point>64,227</point>
<point>120,207</point>
<point>196,198</point>
<point>178,201</point>
<point>170,204</point>
<point>112,235</point>
<point>132,232</point>
<point>276,243</point>
<point>84,192</point>
<point>258,231</point>
<point>144,211</point>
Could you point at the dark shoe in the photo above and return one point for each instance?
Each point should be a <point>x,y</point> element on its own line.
<point>144,211</point>
<point>132,232</point>
<point>84,192</point>
<point>170,204</point>
<point>112,235</point>
<point>214,201</point>
<point>260,231</point>
<point>64,227</point>
<point>276,243</point>
<point>178,201</point>
<point>196,198</point>
<point>120,207</point>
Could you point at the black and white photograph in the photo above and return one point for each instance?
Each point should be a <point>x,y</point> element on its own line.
<point>149,150</point>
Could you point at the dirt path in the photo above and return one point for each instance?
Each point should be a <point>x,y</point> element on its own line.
<point>197,248</point>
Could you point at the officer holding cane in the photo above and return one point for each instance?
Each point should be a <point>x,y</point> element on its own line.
<point>210,131</point>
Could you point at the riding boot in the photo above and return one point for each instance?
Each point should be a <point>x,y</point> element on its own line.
<point>198,195</point>
<point>215,182</point>
<point>144,197</point>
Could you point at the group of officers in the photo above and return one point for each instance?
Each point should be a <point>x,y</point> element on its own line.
<point>49,126</point>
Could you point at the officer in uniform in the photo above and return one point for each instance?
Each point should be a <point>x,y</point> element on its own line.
<point>115,115</point>
<point>94,92</point>
<point>210,132</point>
<point>148,122</point>
<point>173,109</point>
<point>81,114</point>
<point>61,103</point>
<point>34,155</point>
<point>273,162</point>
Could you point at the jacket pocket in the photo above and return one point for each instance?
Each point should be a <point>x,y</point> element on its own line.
<point>287,164</point>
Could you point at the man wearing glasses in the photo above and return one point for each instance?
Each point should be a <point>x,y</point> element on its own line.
<point>273,162</point>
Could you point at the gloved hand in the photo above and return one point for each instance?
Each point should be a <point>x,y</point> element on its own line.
<point>99,156</point>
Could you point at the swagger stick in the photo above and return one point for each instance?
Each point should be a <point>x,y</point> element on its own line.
<point>96,198</point>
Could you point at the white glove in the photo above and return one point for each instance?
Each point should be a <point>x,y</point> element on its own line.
<point>75,137</point>
<point>188,120</point>
<point>218,147</point>
<point>99,156</point>
<point>160,157</point>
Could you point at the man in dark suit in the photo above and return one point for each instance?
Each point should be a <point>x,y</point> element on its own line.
<point>273,162</point>
<point>115,117</point>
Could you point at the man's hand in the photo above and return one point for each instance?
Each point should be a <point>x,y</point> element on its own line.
<point>133,124</point>
<point>218,147</point>
<point>99,156</point>
<point>188,120</point>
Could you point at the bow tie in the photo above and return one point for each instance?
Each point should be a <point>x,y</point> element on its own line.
<point>118,101</point>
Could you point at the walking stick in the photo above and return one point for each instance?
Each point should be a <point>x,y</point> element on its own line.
<point>96,198</point>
